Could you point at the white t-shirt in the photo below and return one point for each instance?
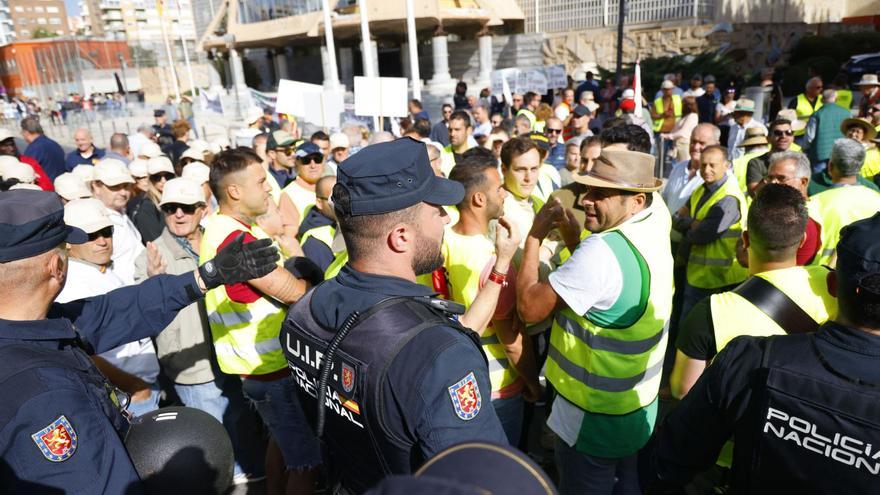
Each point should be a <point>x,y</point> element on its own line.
<point>86,280</point>
<point>127,246</point>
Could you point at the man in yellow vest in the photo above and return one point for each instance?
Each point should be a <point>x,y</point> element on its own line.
<point>711,223</point>
<point>667,108</point>
<point>613,299</point>
<point>807,102</point>
<point>309,168</point>
<point>245,320</point>
<point>781,138</point>
<point>460,130</point>
<point>777,220</point>
<point>521,167</point>
<point>470,263</point>
<point>846,201</point>
<point>318,231</point>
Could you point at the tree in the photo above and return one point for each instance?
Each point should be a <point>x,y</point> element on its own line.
<point>43,33</point>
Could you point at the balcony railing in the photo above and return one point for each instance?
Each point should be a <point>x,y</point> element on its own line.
<point>267,10</point>
<point>572,15</point>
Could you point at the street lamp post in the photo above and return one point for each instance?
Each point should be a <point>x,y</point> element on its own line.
<point>229,39</point>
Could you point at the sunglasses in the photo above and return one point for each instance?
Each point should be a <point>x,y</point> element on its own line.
<point>171,208</point>
<point>287,151</point>
<point>553,131</point>
<point>778,133</point>
<point>106,232</point>
<point>308,159</point>
<point>160,176</point>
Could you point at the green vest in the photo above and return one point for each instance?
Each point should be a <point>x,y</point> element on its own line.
<point>658,108</point>
<point>836,208</point>
<point>827,121</point>
<point>245,334</point>
<point>609,362</point>
<point>804,110</point>
<point>714,265</point>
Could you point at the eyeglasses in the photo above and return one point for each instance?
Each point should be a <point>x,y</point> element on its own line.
<point>777,179</point>
<point>778,133</point>
<point>161,176</point>
<point>106,232</point>
<point>553,131</point>
<point>171,208</point>
<point>308,159</point>
<point>287,151</point>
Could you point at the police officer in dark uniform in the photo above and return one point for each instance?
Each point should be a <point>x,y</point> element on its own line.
<point>802,409</point>
<point>403,378</point>
<point>61,421</point>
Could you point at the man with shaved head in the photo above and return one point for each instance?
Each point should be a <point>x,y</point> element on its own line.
<point>86,153</point>
<point>806,104</point>
<point>318,229</point>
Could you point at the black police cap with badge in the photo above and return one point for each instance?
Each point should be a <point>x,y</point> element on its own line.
<point>32,223</point>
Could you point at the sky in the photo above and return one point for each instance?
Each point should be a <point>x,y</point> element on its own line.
<point>72,8</point>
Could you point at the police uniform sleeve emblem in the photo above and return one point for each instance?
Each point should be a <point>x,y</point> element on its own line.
<point>57,442</point>
<point>347,378</point>
<point>466,398</point>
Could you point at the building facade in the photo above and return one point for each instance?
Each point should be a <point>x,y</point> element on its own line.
<point>38,18</point>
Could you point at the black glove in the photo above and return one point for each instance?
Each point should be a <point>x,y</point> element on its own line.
<point>239,262</point>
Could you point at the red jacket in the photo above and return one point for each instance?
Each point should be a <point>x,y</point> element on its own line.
<point>43,179</point>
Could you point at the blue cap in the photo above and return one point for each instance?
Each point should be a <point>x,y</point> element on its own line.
<point>391,176</point>
<point>308,148</point>
<point>858,252</point>
<point>31,223</point>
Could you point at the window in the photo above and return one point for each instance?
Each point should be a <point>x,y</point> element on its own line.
<point>52,10</point>
<point>55,20</point>
<point>25,33</point>
<point>19,8</point>
<point>39,10</point>
<point>41,20</point>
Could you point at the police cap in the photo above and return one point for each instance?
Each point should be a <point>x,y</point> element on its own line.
<point>858,252</point>
<point>391,176</point>
<point>31,223</point>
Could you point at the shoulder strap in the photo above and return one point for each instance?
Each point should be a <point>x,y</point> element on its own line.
<point>777,305</point>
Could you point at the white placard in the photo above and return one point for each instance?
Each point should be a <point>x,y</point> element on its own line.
<point>536,81</point>
<point>311,102</point>
<point>381,96</point>
<point>556,76</point>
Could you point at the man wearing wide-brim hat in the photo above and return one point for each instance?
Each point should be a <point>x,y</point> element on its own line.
<point>742,115</point>
<point>859,129</point>
<point>870,86</point>
<point>618,285</point>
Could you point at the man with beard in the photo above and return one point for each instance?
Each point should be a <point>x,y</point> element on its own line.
<point>408,379</point>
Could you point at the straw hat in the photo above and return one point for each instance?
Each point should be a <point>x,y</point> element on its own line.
<point>790,115</point>
<point>868,80</point>
<point>622,169</point>
<point>870,132</point>
<point>755,136</point>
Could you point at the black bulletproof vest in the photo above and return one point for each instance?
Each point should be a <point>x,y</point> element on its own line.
<point>361,447</point>
<point>69,357</point>
<point>809,428</point>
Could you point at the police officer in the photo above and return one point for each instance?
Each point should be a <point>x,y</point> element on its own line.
<point>61,421</point>
<point>802,409</point>
<point>407,379</point>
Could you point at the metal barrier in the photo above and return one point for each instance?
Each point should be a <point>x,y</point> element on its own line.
<point>572,15</point>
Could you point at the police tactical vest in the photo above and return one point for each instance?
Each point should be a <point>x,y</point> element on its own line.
<point>714,265</point>
<point>362,447</point>
<point>809,429</point>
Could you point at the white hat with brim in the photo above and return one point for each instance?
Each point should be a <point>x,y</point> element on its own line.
<point>339,140</point>
<point>182,191</point>
<point>84,172</point>
<point>197,172</point>
<point>5,134</point>
<point>622,169</point>
<point>14,169</point>
<point>193,154</point>
<point>87,214</point>
<point>159,164</point>
<point>138,168</point>
<point>791,116</point>
<point>667,84</point>
<point>253,114</point>
<point>70,187</point>
<point>869,80</point>
<point>744,105</point>
<point>26,185</point>
<point>150,150</point>
<point>112,172</point>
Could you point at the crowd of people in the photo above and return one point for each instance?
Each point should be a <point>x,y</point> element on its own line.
<point>586,286</point>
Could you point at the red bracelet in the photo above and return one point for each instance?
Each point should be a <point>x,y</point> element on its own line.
<point>498,278</point>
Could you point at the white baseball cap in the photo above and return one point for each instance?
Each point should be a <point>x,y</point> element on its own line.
<point>219,144</point>
<point>339,140</point>
<point>112,172</point>
<point>150,150</point>
<point>159,164</point>
<point>70,186</point>
<point>182,191</point>
<point>88,214</point>
<point>84,172</point>
<point>197,172</point>
<point>26,185</point>
<point>667,84</point>
<point>628,94</point>
<point>138,168</point>
<point>5,134</point>
<point>253,114</point>
<point>193,153</point>
<point>14,169</point>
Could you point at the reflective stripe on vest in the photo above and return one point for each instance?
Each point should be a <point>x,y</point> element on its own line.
<point>611,369</point>
<point>804,110</point>
<point>303,199</point>
<point>324,233</point>
<point>714,265</point>
<point>529,115</point>
<point>733,315</point>
<point>245,334</point>
<point>338,262</point>
<point>658,108</point>
<point>836,208</point>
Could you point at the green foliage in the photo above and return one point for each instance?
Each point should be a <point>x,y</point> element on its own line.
<point>824,56</point>
<point>43,33</point>
<point>653,69</point>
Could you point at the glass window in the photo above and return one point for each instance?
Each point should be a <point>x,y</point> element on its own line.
<point>19,8</point>
<point>52,10</point>
<point>39,10</point>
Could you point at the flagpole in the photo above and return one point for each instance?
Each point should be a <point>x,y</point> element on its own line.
<point>160,8</point>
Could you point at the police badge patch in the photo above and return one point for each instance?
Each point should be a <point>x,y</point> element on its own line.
<point>57,441</point>
<point>347,377</point>
<point>466,398</point>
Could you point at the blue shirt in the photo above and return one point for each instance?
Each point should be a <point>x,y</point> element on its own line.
<point>420,377</point>
<point>282,177</point>
<point>37,394</point>
<point>74,158</point>
<point>556,156</point>
<point>48,154</point>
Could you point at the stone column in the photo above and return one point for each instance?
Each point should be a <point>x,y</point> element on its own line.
<point>440,56</point>
<point>374,50</point>
<point>346,65</point>
<point>281,64</point>
<point>404,60</point>
<point>237,70</point>
<point>485,44</point>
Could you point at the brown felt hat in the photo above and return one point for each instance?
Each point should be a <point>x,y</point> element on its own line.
<point>622,169</point>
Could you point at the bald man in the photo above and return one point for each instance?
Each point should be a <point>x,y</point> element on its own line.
<point>318,229</point>
<point>86,153</point>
